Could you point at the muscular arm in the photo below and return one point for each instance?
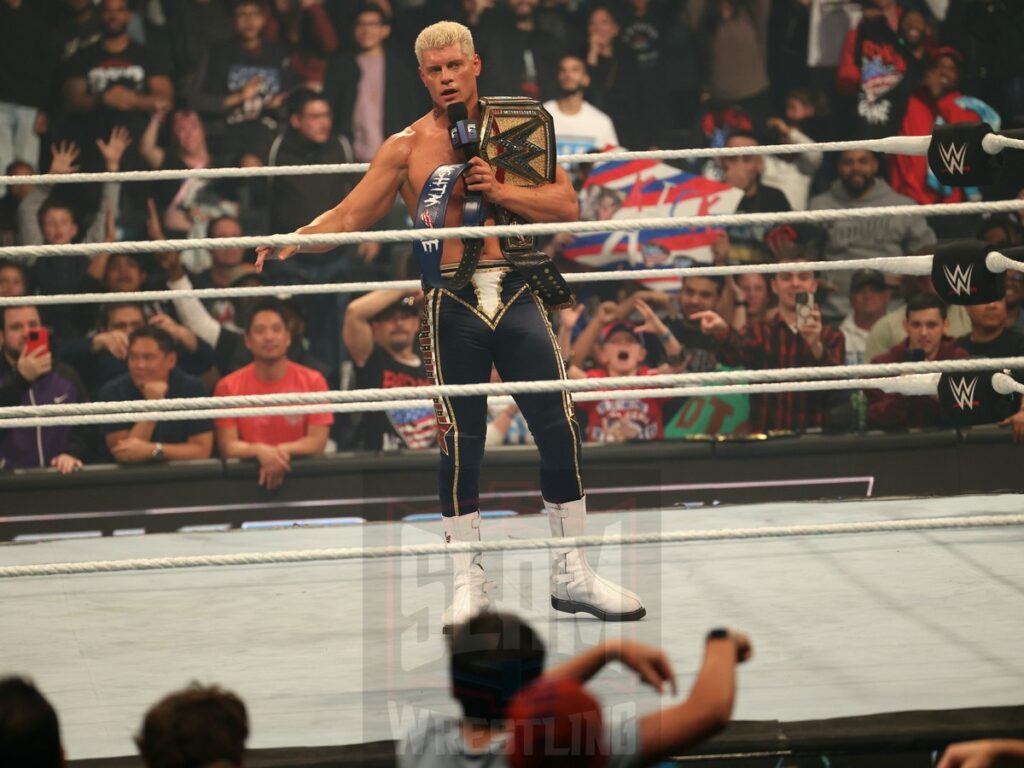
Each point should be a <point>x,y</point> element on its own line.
<point>372,197</point>
<point>548,202</point>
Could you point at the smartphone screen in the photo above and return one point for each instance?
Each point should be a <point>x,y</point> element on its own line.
<point>804,305</point>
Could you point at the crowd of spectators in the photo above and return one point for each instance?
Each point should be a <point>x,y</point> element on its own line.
<point>111,85</point>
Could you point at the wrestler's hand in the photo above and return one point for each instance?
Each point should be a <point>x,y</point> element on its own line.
<point>480,178</point>
<point>265,252</point>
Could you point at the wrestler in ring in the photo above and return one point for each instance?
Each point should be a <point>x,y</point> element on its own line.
<point>495,319</point>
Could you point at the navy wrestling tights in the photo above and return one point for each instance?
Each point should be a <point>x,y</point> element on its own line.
<point>496,319</point>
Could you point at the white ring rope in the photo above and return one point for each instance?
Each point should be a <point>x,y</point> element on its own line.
<point>966,522</point>
<point>515,230</point>
<point>914,384</point>
<point>901,265</point>
<point>902,145</point>
<point>892,145</point>
<point>812,373</point>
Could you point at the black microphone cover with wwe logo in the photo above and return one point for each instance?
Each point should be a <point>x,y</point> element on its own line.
<point>462,130</point>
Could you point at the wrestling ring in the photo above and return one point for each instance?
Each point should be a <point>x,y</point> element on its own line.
<point>883,628</point>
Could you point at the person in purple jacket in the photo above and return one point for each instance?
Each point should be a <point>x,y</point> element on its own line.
<point>32,378</point>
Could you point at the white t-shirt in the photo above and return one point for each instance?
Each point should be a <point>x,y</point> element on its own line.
<point>588,129</point>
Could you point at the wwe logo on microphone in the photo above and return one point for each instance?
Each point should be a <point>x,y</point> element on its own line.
<point>953,157</point>
<point>959,279</point>
<point>963,392</point>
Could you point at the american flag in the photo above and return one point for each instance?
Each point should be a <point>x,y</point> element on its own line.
<point>629,189</point>
<point>416,426</point>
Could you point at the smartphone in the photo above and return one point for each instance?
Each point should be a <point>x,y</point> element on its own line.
<point>804,305</point>
<point>38,338</point>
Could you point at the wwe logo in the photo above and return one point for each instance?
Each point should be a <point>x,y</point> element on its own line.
<point>959,279</point>
<point>953,158</point>
<point>963,392</point>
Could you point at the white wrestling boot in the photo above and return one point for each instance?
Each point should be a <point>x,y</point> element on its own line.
<point>471,587</point>
<point>575,587</point>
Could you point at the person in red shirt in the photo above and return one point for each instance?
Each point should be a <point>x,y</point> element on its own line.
<point>621,353</point>
<point>271,440</point>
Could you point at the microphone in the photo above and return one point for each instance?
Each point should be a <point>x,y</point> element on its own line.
<point>462,130</point>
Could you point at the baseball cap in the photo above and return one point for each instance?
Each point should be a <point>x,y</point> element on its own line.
<point>620,325</point>
<point>556,715</point>
<point>405,305</point>
<point>864,277</point>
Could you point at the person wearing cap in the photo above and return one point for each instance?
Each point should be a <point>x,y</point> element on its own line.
<point>869,301</point>
<point>621,352</point>
<point>515,714</point>
<point>380,335</point>
<point>926,323</point>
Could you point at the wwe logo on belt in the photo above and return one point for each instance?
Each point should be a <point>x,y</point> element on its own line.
<point>953,157</point>
<point>963,392</point>
<point>959,279</point>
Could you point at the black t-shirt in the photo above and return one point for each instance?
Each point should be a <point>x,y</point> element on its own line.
<point>130,68</point>
<point>178,385</point>
<point>747,242</point>
<point>387,430</point>
<point>887,75</point>
<point>1009,343</point>
<point>698,348</point>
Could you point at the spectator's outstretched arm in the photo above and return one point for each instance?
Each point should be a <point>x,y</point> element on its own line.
<point>193,314</point>
<point>708,708</point>
<point>149,147</point>
<point>650,663</point>
<point>607,312</point>
<point>988,753</point>
<point>357,332</point>
<point>65,154</point>
<point>104,224</point>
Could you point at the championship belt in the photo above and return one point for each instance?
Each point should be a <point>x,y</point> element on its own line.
<point>517,139</point>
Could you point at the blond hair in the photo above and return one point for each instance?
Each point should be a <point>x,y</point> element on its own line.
<point>441,35</point>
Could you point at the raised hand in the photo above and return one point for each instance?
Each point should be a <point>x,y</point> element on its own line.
<point>114,148</point>
<point>652,323</point>
<point>711,324</point>
<point>64,156</point>
<point>650,663</point>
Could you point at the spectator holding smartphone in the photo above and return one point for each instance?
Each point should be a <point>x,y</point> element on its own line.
<point>28,376</point>
<point>795,337</point>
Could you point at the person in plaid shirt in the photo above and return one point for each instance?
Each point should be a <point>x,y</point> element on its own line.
<point>782,342</point>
